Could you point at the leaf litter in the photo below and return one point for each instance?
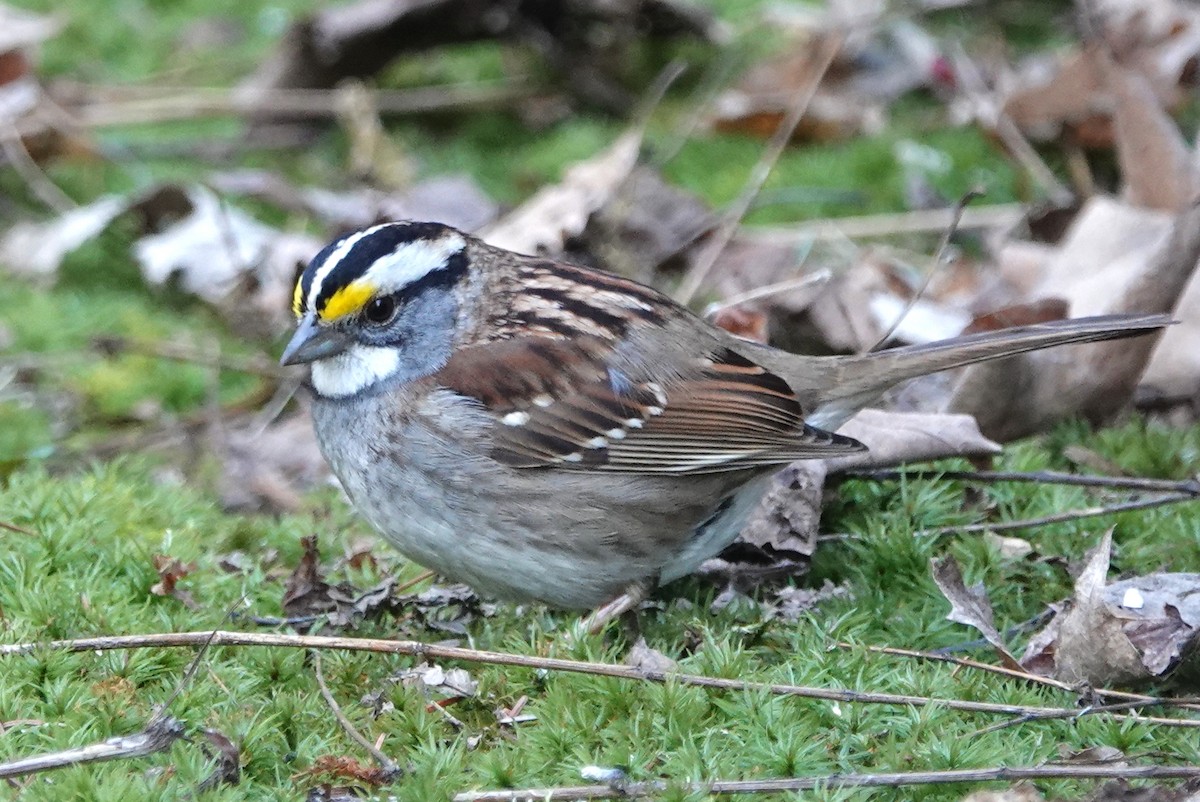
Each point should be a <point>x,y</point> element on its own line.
<point>612,208</point>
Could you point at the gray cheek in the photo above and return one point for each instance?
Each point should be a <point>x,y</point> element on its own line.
<point>423,334</point>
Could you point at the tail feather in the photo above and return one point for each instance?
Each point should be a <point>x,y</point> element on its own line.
<point>850,383</point>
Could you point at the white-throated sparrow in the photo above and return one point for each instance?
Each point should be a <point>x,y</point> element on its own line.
<point>550,432</point>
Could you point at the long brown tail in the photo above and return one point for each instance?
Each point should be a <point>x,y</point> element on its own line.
<point>837,387</point>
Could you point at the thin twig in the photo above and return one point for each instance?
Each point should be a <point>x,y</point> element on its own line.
<point>732,218</point>
<point>1191,486</point>
<point>15,528</point>
<point>989,112</point>
<point>1182,703</point>
<point>939,259</point>
<point>426,651</point>
<point>390,768</point>
<point>178,352</point>
<point>158,735</point>
<point>169,104</point>
<point>813,282</point>
<point>31,173</point>
<point>837,780</point>
<point>1061,517</point>
<point>920,221</point>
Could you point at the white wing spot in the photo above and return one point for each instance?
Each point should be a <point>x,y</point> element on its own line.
<point>654,410</point>
<point>616,434</point>
<point>659,395</point>
<point>634,423</point>
<point>517,418</point>
<point>575,457</point>
<point>542,401</point>
<point>597,442</point>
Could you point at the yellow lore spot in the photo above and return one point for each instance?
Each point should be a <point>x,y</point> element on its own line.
<point>347,300</point>
<point>297,297</point>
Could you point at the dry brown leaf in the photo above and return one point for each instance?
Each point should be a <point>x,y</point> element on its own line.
<point>228,768</point>
<point>969,606</point>
<point>646,228</point>
<point>1010,548</point>
<point>170,571</point>
<point>1047,100</point>
<point>783,528</point>
<point>746,266</point>
<point>870,72</point>
<point>1130,632</point>
<point>455,200</point>
<point>644,658</point>
<point>747,322</point>
<point>1115,259</point>
<point>306,593</point>
<point>558,212</point>
<point>1103,753</point>
<point>1156,163</point>
<point>897,437</point>
<point>329,767</point>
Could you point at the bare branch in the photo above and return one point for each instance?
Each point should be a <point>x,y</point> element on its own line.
<point>939,259</point>
<point>838,780</point>
<point>158,736</point>
<point>427,651</point>
<point>1060,517</point>
<point>762,170</point>
<point>1040,477</point>
<point>920,221</point>
<point>390,767</point>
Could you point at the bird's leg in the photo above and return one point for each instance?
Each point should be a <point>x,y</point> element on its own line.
<point>634,595</point>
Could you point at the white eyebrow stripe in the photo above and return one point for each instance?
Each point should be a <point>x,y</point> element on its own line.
<point>334,259</point>
<point>411,262</point>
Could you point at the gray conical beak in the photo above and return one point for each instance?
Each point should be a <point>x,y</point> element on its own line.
<point>312,342</point>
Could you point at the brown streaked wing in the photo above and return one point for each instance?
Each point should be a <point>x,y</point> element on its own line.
<point>558,403</point>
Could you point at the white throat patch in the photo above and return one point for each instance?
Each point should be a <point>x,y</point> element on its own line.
<point>353,370</point>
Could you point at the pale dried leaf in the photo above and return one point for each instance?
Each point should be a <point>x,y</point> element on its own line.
<point>969,606</point>
<point>455,200</point>
<point>642,657</point>
<point>897,437</point>
<point>38,249</point>
<point>223,256</point>
<point>1131,632</point>
<point>561,211</point>
<point>1010,548</point>
<point>1115,259</point>
<point>1174,370</point>
<point>20,29</point>
<point>1155,162</point>
<point>1102,753</point>
<point>784,525</point>
<point>1021,792</point>
<point>791,603</point>
<point>453,682</point>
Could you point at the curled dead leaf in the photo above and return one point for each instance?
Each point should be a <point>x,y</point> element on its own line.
<point>969,606</point>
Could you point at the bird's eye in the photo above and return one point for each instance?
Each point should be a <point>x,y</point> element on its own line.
<point>380,310</point>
